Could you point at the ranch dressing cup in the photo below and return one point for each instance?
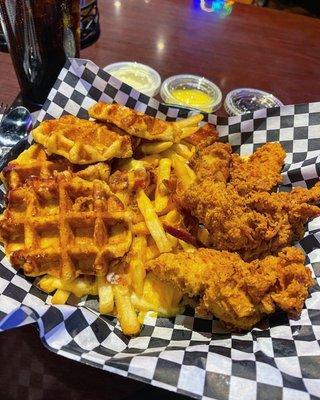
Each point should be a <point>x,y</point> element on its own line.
<point>140,76</point>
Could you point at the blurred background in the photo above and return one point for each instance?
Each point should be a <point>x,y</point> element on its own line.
<point>306,7</point>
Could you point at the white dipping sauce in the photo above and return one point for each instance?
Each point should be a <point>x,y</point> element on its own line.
<point>139,76</point>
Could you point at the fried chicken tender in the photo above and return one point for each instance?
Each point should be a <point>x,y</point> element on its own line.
<point>255,225</point>
<point>212,160</point>
<point>261,172</point>
<point>239,213</point>
<point>238,293</point>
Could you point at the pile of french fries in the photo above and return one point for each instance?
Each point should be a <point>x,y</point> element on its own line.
<point>129,291</point>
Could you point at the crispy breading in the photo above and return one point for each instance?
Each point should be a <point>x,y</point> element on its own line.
<point>255,225</point>
<point>81,141</point>
<point>238,293</point>
<point>212,161</point>
<point>261,172</point>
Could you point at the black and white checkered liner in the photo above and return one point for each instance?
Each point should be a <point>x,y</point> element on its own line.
<point>278,359</point>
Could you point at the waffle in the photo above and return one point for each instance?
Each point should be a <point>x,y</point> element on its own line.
<point>138,124</point>
<point>32,162</point>
<point>81,141</point>
<point>35,162</point>
<point>64,226</point>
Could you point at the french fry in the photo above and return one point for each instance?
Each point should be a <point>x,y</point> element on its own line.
<point>152,250</point>
<point>182,150</point>
<point>79,286</point>
<point>140,229</point>
<point>155,147</point>
<point>187,132</point>
<point>124,197</point>
<point>186,246</point>
<point>190,121</point>
<point>130,164</point>
<point>161,194</point>
<point>126,314</point>
<point>183,171</point>
<point>158,296</point>
<point>138,258</point>
<point>49,283</point>
<point>151,160</point>
<point>144,306</point>
<point>60,297</point>
<point>153,223</point>
<point>190,146</point>
<point>173,240</point>
<point>105,292</point>
<point>173,217</point>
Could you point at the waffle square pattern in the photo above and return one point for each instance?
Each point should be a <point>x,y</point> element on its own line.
<point>65,226</point>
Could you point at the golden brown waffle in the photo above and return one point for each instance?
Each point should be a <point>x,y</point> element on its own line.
<point>64,226</point>
<point>32,162</point>
<point>81,141</point>
<point>35,162</point>
<point>141,125</point>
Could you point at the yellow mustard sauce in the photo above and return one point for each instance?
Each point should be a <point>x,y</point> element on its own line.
<point>193,97</point>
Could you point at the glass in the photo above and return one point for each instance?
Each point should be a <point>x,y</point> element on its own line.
<point>41,34</point>
<point>90,27</point>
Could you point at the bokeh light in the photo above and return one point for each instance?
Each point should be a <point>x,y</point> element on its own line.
<point>220,7</point>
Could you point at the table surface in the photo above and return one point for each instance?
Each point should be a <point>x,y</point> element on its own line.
<point>253,47</point>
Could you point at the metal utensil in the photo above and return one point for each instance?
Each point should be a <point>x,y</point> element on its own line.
<point>3,110</point>
<point>14,129</point>
<point>15,125</point>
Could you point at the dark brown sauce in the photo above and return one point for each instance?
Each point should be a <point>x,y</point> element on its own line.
<point>41,34</point>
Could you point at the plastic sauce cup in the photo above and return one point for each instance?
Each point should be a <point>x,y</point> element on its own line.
<point>191,91</point>
<point>140,76</point>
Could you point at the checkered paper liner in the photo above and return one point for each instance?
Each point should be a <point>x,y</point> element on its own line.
<point>278,359</point>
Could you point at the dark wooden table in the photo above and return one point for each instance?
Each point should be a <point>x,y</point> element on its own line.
<point>253,47</point>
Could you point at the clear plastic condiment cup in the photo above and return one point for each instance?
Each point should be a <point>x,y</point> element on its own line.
<point>140,76</point>
<point>191,83</point>
<point>246,100</point>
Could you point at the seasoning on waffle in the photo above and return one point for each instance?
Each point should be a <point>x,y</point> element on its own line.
<point>64,226</point>
<point>81,141</point>
<point>138,124</point>
<point>35,162</point>
<point>32,162</point>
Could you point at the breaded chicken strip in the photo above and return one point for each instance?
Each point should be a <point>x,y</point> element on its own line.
<point>261,172</point>
<point>212,161</point>
<point>238,293</point>
<point>255,225</point>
